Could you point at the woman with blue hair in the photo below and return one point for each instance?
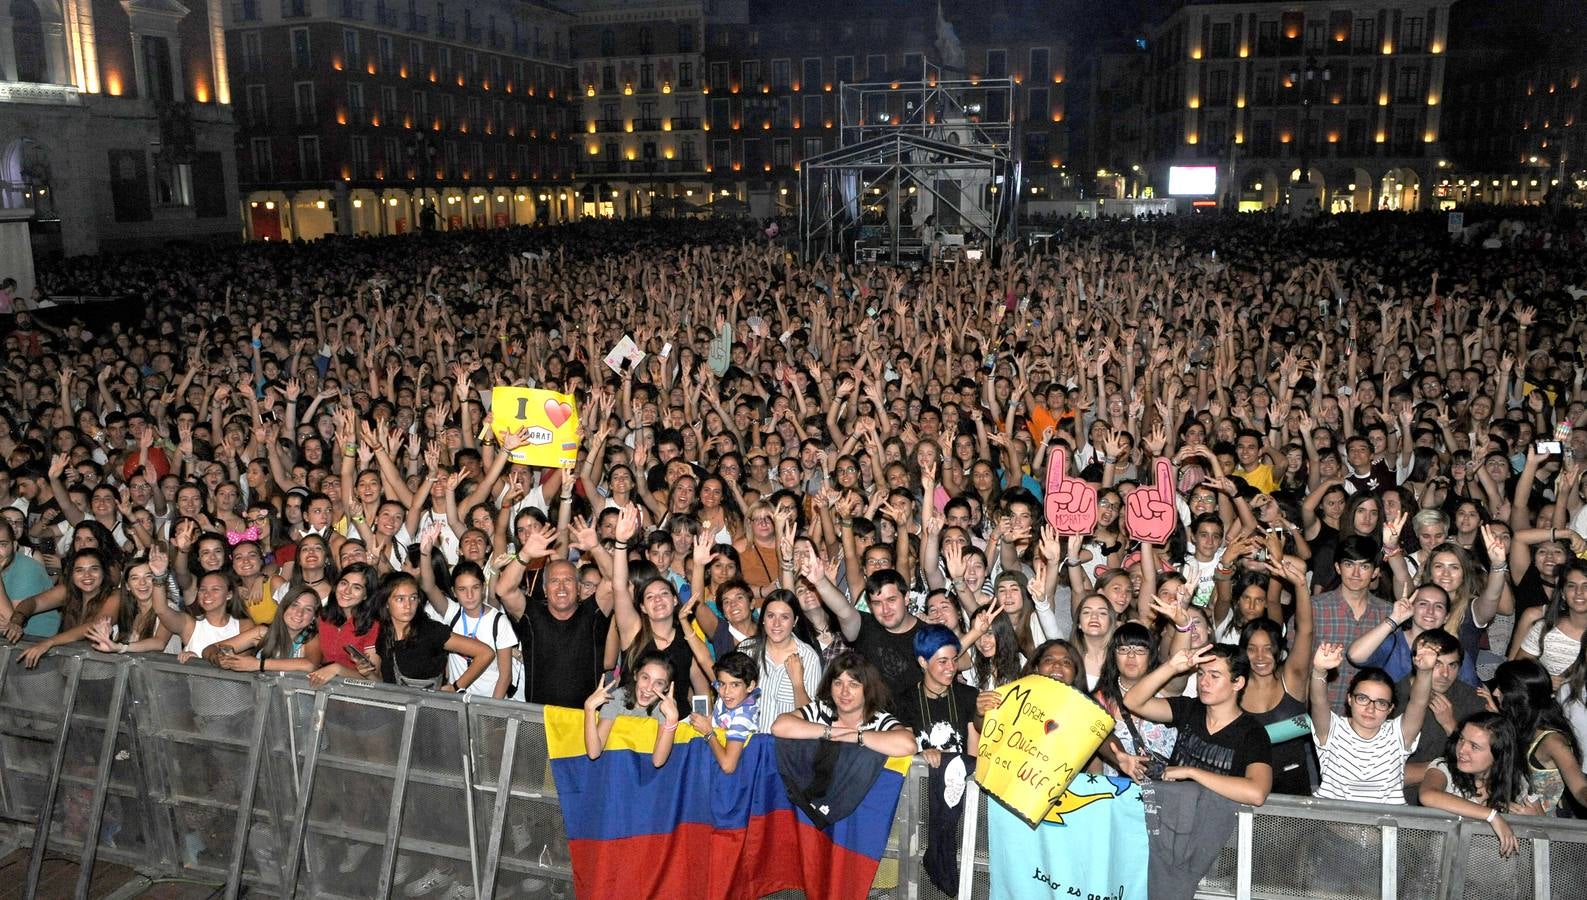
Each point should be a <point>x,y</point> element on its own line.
<point>941,709</point>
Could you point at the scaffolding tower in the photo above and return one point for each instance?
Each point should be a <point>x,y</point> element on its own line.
<point>921,166</point>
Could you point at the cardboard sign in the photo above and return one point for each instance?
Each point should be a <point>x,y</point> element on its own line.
<point>550,418</point>
<point>1070,504</point>
<point>626,349</point>
<point>1150,513</point>
<point>1035,742</point>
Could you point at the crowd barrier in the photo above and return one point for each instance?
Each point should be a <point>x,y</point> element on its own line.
<point>360,790</point>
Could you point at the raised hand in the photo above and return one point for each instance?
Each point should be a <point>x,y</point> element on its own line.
<point>1150,514</point>
<point>1070,504</point>
<point>1328,657</point>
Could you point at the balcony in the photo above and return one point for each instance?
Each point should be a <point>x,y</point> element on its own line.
<point>294,9</point>
<point>609,125</point>
<point>247,11</point>
<point>353,9</point>
<point>385,15</point>
<point>600,166</point>
<point>475,35</point>
<point>495,41</point>
<point>446,29</point>
<point>689,124</point>
<point>647,124</point>
<point>418,24</point>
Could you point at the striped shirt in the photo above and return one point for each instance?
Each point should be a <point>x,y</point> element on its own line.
<point>776,688</point>
<point>1366,770</point>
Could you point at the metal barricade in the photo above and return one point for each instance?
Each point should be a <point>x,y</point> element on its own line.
<point>358,789</point>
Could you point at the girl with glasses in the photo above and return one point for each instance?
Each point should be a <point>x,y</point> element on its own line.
<point>1362,756</point>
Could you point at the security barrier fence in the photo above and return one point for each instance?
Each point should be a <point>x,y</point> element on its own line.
<point>358,790</point>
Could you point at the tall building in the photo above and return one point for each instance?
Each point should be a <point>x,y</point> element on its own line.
<point>382,116</point>
<point>1355,93</point>
<point>118,123</point>
<point>640,78</point>
<point>698,99</point>
<point>1518,100</point>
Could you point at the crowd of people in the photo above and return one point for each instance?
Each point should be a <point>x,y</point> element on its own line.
<point>815,507</point>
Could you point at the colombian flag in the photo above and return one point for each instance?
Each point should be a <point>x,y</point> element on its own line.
<point>687,831</point>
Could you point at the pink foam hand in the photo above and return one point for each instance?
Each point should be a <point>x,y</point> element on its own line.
<point>1150,513</point>
<point>1070,504</point>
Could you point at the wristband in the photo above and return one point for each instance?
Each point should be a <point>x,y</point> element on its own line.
<point>1396,625</point>
<point>826,732</point>
<point>669,728</point>
<point>1187,628</point>
<point>1072,561</point>
<point>859,738</point>
<point>257,343</point>
<point>1491,814</point>
<point>261,663</point>
<point>621,545</point>
<point>121,648</point>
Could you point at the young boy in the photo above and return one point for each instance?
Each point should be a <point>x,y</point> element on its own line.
<point>737,703</point>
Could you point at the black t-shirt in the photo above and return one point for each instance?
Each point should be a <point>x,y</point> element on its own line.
<point>893,655</point>
<point>562,660</point>
<point>1531,591</point>
<point>942,722</point>
<point>422,654</point>
<point>682,659</point>
<point>1236,746</point>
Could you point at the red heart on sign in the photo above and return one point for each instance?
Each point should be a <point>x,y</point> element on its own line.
<point>1051,726</point>
<point>558,412</point>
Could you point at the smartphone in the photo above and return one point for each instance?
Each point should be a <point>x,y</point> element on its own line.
<point>358,655</point>
<point>701,705</point>
<point>1548,448</point>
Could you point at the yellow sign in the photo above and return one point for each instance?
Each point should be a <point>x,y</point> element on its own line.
<point>1035,742</point>
<point>550,419</point>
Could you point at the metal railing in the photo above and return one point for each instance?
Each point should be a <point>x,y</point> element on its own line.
<point>360,789</point>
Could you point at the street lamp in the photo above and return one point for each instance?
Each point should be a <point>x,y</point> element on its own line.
<point>1304,79</point>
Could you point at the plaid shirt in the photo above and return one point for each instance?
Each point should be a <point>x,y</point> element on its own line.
<point>1336,624</point>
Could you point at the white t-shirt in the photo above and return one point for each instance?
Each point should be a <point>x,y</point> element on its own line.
<point>491,629</point>
<point>1366,770</point>
<point>1558,651</point>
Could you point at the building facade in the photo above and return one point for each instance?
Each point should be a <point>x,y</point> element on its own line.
<point>118,123</point>
<point>696,101</point>
<point>1354,93</point>
<point>1518,102</point>
<point>642,94</point>
<point>383,116</point>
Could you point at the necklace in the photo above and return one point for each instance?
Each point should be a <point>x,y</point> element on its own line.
<point>477,622</point>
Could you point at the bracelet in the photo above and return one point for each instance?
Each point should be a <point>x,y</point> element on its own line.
<point>859,738</point>
<point>621,545</point>
<point>1491,814</point>
<point>826,732</point>
<point>1503,568</point>
<point>1319,676</point>
<point>1390,620</point>
<point>1188,625</point>
<point>845,522</point>
<point>1072,561</point>
<point>261,663</point>
<point>122,648</point>
<point>669,728</point>
<point>957,584</point>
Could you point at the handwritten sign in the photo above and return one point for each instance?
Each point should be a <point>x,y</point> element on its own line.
<point>550,419</point>
<point>1070,504</point>
<point>1150,513</point>
<point>1035,743</point>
